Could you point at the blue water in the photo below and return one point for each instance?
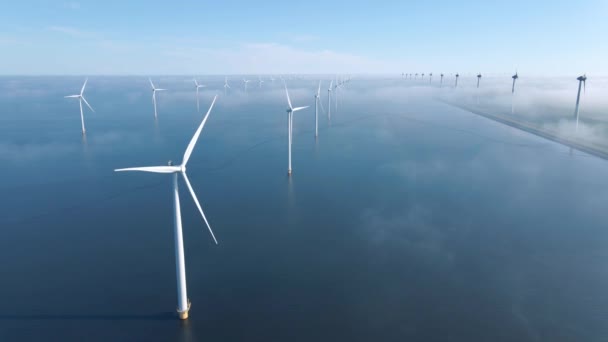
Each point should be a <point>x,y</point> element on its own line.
<point>407,219</point>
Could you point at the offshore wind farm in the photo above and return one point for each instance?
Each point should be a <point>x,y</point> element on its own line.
<point>351,198</point>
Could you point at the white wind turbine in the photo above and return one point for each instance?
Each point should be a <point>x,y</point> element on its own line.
<point>81,98</point>
<point>154,90</point>
<point>260,81</point>
<point>245,82</point>
<point>441,81</point>
<point>317,100</point>
<point>329,100</point>
<point>290,112</point>
<point>198,86</point>
<point>226,85</point>
<point>183,304</point>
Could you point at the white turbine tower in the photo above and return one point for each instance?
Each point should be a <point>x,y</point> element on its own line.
<point>582,80</point>
<point>317,100</point>
<point>329,100</point>
<point>81,98</point>
<point>154,90</point>
<point>260,81</point>
<point>245,82</point>
<point>441,81</point>
<point>183,304</point>
<point>198,86</point>
<point>290,112</point>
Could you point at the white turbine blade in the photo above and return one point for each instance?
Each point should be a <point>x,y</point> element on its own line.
<point>154,169</point>
<point>288,99</point>
<point>72,96</point>
<point>330,84</point>
<point>299,108</point>
<point>195,82</point>
<point>85,101</point>
<point>151,84</point>
<point>84,85</point>
<point>197,134</point>
<point>319,89</point>
<point>159,89</point>
<point>198,205</point>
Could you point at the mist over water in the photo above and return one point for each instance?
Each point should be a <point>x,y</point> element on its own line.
<point>407,219</point>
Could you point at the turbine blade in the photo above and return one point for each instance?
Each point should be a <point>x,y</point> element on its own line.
<point>195,82</point>
<point>288,99</point>
<point>151,84</point>
<point>85,101</point>
<point>84,85</point>
<point>319,89</point>
<point>159,89</point>
<point>153,169</point>
<point>197,134</point>
<point>198,205</point>
<point>299,108</point>
<point>72,96</point>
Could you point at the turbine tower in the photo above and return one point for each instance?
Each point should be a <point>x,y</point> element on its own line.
<point>441,81</point>
<point>154,90</point>
<point>226,86</point>
<point>456,84</point>
<point>183,303</point>
<point>81,98</point>
<point>430,78</point>
<point>416,77</point>
<point>329,100</point>
<point>290,112</point>
<point>245,82</point>
<point>197,86</point>
<point>478,78</point>
<point>317,101</point>
<point>582,80</point>
<point>514,77</point>
<point>422,76</point>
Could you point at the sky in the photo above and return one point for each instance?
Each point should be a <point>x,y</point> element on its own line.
<point>314,36</point>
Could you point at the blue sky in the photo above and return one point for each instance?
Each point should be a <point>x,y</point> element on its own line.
<point>261,37</point>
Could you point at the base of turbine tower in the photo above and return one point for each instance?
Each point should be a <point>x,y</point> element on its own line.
<point>183,315</point>
<point>289,172</point>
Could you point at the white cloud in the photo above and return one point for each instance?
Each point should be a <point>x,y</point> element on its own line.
<point>70,31</point>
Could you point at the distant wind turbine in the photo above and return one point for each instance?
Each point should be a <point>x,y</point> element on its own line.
<point>456,84</point>
<point>441,81</point>
<point>245,82</point>
<point>478,78</point>
<point>422,77</point>
<point>329,100</point>
<point>198,86</point>
<point>154,90</point>
<point>416,76</point>
<point>260,81</point>
<point>317,100</point>
<point>430,78</point>
<point>514,77</point>
<point>582,80</point>
<point>290,112</point>
<point>226,85</point>
<point>183,303</point>
<point>81,98</point>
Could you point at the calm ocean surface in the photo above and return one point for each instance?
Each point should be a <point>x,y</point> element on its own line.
<point>406,220</point>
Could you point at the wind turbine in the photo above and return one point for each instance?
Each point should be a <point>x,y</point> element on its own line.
<point>183,303</point>
<point>329,100</point>
<point>582,80</point>
<point>422,77</point>
<point>81,98</point>
<point>154,90</point>
<point>430,78</point>
<point>441,81</point>
<point>514,77</point>
<point>261,81</point>
<point>290,112</point>
<point>245,81</point>
<point>198,86</point>
<point>416,76</point>
<point>226,86</point>
<point>317,100</point>
<point>478,78</point>
<point>456,84</point>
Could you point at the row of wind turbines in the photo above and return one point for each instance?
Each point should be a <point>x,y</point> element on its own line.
<point>582,80</point>
<point>183,303</point>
